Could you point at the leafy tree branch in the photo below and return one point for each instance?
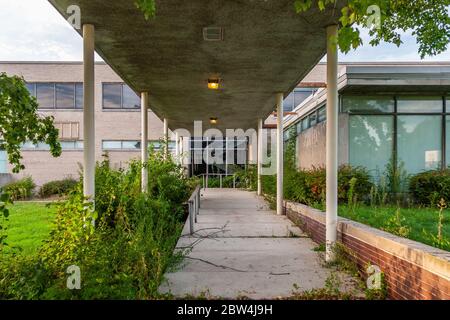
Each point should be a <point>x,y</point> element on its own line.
<point>20,123</point>
<point>427,20</point>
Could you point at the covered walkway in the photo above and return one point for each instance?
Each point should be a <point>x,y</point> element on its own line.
<point>241,248</point>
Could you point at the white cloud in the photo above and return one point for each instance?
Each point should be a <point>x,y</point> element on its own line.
<point>32,30</point>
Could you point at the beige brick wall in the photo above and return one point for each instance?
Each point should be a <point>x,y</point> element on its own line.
<point>110,124</point>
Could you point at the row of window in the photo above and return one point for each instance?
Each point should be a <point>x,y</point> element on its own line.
<point>70,95</point>
<point>106,145</point>
<point>401,104</point>
<point>312,119</point>
<point>131,145</point>
<point>65,145</point>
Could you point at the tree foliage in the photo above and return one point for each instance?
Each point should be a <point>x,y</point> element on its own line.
<point>387,20</point>
<point>427,20</point>
<point>19,121</point>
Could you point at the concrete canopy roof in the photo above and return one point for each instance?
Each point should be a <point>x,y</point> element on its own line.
<point>267,48</point>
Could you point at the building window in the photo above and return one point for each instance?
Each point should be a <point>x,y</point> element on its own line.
<point>65,96</point>
<point>296,97</point>
<point>132,145</point>
<point>322,114</point>
<point>364,104</point>
<point>312,119</point>
<point>119,96</point>
<point>371,142</point>
<point>288,103</point>
<point>419,142</point>
<point>301,95</point>
<point>79,96</point>
<point>420,105</point>
<point>57,95</point>
<point>65,145</point>
<point>72,145</point>
<point>305,124</point>
<point>45,94</point>
<point>31,88</point>
<point>3,160</point>
<point>299,127</point>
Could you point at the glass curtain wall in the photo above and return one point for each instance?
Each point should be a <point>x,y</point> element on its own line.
<point>410,130</point>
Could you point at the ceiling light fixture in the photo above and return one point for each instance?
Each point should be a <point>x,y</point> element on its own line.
<point>213,120</point>
<point>213,84</point>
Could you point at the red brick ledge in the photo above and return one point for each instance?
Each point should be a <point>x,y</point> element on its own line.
<point>412,270</point>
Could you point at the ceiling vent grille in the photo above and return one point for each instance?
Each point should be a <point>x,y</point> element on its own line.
<point>213,34</point>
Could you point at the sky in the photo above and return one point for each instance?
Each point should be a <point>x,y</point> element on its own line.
<point>32,30</point>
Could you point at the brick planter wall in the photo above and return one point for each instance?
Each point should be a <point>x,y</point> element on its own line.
<point>413,271</point>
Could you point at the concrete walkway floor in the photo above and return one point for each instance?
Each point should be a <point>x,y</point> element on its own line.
<point>241,248</point>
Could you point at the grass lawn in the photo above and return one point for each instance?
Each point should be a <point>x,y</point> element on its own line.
<point>420,223</point>
<point>29,224</point>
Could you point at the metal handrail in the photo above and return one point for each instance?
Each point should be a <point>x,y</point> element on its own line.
<point>205,178</point>
<point>194,208</point>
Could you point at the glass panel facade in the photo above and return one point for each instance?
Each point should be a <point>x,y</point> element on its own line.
<point>45,93</point>
<point>371,142</point>
<point>112,95</point>
<point>65,95</point>
<point>364,104</point>
<point>419,104</point>
<point>301,95</point>
<point>130,99</point>
<point>419,142</point>
<point>288,104</point>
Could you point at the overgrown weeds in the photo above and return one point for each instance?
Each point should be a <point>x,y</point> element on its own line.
<point>122,248</point>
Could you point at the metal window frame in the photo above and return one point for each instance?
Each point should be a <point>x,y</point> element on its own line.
<point>396,114</point>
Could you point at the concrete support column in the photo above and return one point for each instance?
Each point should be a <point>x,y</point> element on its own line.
<point>144,140</point>
<point>260,154</point>
<point>89,111</point>
<point>332,141</point>
<point>166,138</point>
<point>280,147</point>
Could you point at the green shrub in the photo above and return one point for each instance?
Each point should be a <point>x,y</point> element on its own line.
<point>21,189</point>
<point>124,254</point>
<point>309,186</point>
<point>428,188</point>
<point>59,187</point>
